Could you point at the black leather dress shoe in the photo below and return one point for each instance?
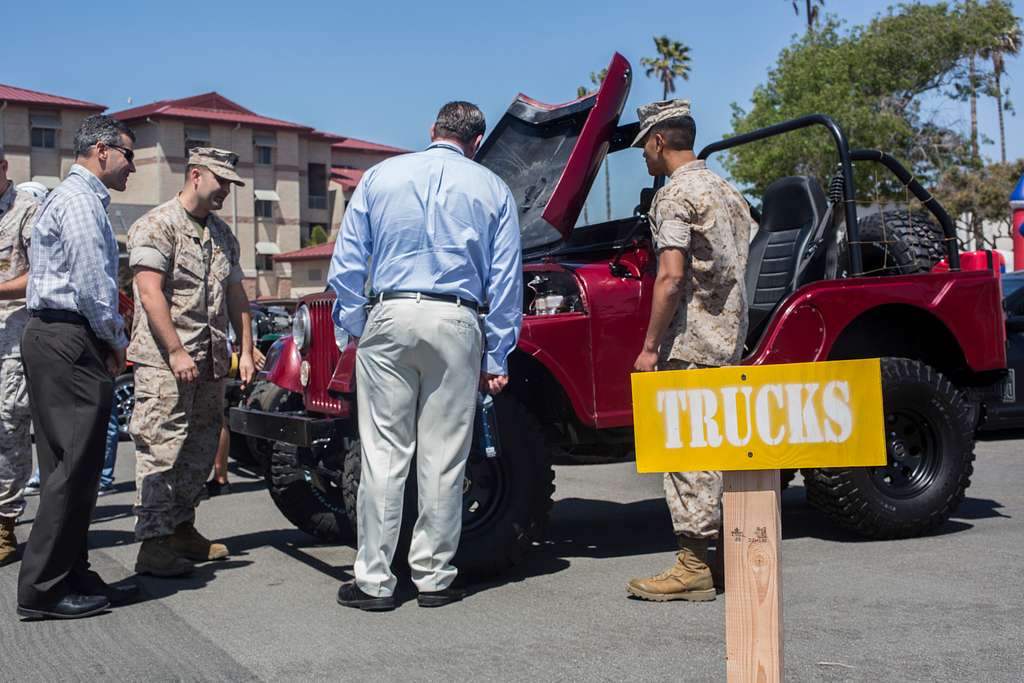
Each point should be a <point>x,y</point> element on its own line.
<point>440,598</point>
<point>350,595</point>
<point>125,593</point>
<point>71,606</point>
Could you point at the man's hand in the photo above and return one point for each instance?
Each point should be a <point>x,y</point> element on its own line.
<point>647,361</point>
<point>246,369</point>
<point>492,384</point>
<point>115,361</point>
<point>182,365</point>
<point>258,359</point>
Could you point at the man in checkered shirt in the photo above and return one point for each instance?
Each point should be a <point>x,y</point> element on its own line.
<point>73,347</point>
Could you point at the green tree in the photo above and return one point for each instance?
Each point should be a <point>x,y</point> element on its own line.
<point>975,196</point>
<point>1007,42</point>
<point>672,62</point>
<point>871,79</point>
<point>317,235</point>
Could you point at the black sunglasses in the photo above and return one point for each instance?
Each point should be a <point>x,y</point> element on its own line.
<point>129,155</point>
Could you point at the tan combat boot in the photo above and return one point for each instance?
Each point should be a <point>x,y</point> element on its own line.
<point>8,541</point>
<point>689,579</point>
<point>188,542</point>
<point>156,557</point>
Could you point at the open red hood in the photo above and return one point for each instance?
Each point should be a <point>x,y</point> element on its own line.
<point>549,154</point>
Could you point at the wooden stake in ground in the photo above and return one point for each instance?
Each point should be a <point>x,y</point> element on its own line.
<point>753,599</point>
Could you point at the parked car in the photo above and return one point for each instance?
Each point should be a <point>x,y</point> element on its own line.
<point>821,284</point>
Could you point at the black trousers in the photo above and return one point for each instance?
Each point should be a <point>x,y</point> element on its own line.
<point>70,393</point>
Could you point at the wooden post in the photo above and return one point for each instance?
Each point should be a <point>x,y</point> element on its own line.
<point>753,599</point>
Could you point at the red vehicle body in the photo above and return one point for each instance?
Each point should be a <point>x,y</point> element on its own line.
<point>571,368</point>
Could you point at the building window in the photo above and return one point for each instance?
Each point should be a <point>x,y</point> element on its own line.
<point>45,138</point>
<point>315,274</point>
<point>316,174</point>
<point>265,262</point>
<point>264,208</point>
<point>196,136</point>
<point>264,155</point>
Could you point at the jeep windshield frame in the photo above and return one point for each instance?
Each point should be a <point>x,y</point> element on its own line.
<point>846,159</point>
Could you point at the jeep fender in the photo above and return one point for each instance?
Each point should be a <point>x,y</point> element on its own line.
<point>282,365</point>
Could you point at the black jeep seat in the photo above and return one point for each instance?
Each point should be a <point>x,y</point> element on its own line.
<point>787,250</point>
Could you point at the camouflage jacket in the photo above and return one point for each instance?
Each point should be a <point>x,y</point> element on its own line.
<point>701,214</point>
<point>196,275</point>
<point>17,214</point>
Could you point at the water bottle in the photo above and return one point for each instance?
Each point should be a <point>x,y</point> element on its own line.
<point>489,424</point>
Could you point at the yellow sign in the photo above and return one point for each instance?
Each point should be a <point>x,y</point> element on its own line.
<point>763,417</point>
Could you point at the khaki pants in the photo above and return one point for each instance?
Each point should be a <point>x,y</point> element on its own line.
<point>15,437</point>
<point>176,427</point>
<point>417,371</point>
<point>694,498</point>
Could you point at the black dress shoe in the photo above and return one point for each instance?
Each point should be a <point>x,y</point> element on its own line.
<point>350,595</point>
<point>71,606</point>
<point>91,584</point>
<point>440,598</point>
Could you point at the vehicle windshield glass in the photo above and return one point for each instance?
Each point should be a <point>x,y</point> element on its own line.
<point>615,192</point>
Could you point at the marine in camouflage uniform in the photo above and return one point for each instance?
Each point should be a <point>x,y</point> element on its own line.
<point>707,220</point>
<point>176,423</point>
<point>17,213</point>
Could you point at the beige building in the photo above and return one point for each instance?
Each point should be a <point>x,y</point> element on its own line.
<point>37,133</point>
<point>285,166</point>
<point>309,268</point>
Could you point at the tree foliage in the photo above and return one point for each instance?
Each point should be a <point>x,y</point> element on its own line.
<point>317,235</point>
<point>976,196</point>
<point>875,81</point>
<point>672,62</point>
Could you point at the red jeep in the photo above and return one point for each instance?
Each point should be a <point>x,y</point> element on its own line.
<point>821,286</point>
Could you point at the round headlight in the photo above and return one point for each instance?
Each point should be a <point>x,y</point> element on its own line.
<point>300,328</point>
<point>340,338</point>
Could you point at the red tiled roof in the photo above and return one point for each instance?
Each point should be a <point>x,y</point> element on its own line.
<point>320,251</point>
<point>209,106</point>
<point>348,178</point>
<point>9,93</point>
<point>356,145</point>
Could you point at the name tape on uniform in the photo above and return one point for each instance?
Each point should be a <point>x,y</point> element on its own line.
<point>761,417</point>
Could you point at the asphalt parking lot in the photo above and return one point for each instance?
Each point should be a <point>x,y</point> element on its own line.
<point>946,607</point>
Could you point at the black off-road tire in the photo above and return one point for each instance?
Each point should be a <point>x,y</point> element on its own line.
<point>930,451</point>
<point>497,529</point>
<point>310,500</point>
<point>900,242</point>
<point>124,403</point>
<point>250,451</point>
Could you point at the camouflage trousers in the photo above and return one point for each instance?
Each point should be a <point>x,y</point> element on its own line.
<point>15,438</point>
<point>176,427</point>
<point>694,498</point>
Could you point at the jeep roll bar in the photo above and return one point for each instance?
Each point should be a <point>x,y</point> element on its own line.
<point>845,159</point>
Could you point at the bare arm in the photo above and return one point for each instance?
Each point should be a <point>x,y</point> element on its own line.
<point>14,289</point>
<point>241,320</point>
<point>150,284</point>
<point>668,289</point>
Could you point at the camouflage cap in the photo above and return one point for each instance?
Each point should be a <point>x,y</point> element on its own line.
<point>220,161</point>
<point>656,112</point>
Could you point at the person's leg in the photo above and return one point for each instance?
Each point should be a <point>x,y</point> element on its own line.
<point>219,483</point>
<point>70,393</point>
<point>110,457</point>
<point>387,394</point>
<point>205,416</point>
<point>449,364</point>
<point>15,452</point>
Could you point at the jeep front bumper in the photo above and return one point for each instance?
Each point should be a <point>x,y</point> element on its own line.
<point>292,428</point>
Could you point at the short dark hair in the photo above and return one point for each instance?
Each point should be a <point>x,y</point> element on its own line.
<point>461,121</point>
<point>100,128</point>
<point>679,132</point>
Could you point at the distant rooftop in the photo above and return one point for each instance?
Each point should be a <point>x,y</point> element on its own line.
<point>210,107</point>
<point>10,93</point>
<point>320,251</point>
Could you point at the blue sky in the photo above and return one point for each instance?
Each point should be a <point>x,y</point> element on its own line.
<point>380,70</point>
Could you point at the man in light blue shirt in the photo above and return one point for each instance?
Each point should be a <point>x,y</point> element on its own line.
<point>437,235</point>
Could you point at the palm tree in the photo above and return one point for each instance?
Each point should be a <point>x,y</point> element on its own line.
<point>1006,44</point>
<point>672,62</point>
<point>812,11</point>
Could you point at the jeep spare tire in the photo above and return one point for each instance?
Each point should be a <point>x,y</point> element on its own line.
<point>506,500</point>
<point>929,452</point>
<point>900,242</point>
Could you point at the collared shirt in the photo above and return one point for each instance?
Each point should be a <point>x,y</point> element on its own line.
<point>73,256</point>
<point>438,223</point>
<point>700,213</point>
<point>197,271</point>
<point>17,213</point>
